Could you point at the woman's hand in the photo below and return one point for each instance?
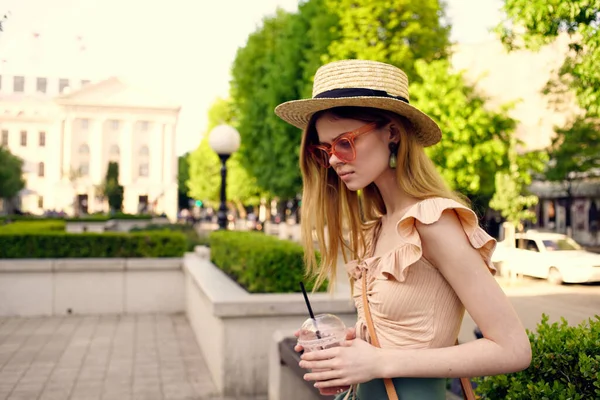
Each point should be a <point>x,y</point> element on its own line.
<point>350,335</point>
<point>329,391</point>
<point>354,362</point>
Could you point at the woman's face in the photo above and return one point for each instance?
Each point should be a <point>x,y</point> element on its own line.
<point>371,149</point>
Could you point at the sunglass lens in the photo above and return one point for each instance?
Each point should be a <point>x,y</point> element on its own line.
<point>344,150</point>
<point>321,157</point>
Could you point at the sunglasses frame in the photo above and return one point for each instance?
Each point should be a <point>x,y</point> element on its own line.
<point>329,148</point>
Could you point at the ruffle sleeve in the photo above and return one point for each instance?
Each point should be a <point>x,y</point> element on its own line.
<point>429,211</point>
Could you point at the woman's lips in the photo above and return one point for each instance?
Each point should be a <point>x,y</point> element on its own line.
<point>345,175</point>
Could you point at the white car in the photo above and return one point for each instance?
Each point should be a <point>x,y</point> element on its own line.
<point>551,256</point>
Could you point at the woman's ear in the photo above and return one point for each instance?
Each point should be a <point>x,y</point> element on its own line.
<point>394,132</point>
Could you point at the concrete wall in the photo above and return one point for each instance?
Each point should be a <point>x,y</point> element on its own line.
<point>36,287</point>
<point>235,328</point>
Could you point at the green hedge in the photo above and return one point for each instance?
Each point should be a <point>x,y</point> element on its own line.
<point>565,365</point>
<point>31,226</point>
<point>191,235</point>
<point>85,245</point>
<point>258,262</point>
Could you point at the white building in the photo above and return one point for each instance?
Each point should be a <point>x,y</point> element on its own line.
<point>67,131</point>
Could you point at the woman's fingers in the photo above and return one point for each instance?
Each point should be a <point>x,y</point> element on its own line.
<point>322,375</point>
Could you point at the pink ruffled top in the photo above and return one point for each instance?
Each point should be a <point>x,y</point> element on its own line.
<point>412,304</point>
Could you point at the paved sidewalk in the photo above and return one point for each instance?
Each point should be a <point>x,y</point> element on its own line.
<point>134,357</point>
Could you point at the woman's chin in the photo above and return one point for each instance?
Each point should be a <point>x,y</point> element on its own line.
<point>354,186</point>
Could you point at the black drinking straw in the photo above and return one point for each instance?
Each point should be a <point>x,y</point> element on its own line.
<point>310,311</point>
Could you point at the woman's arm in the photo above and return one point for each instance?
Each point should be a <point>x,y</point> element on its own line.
<point>504,349</point>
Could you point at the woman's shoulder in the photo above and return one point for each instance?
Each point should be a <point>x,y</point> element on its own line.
<point>430,210</point>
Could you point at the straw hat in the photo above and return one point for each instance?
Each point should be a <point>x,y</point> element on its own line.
<point>361,83</point>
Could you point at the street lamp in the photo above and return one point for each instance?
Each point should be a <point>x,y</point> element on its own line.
<point>224,140</point>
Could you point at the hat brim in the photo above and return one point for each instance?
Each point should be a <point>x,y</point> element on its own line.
<point>299,112</point>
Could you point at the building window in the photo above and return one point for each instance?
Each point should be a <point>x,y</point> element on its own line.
<point>114,124</point>
<point>84,123</point>
<point>84,169</point>
<point>41,171</point>
<point>18,84</point>
<point>144,151</point>
<point>114,150</point>
<point>144,170</point>
<point>40,201</point>
<point>42,139</point>
<point>4,138</point>
<point>84,82</point>
<point>84,149</point>
<point>41,85</point>
<point>23,138</point>
<point>62,85</point>
<point>144,126</point>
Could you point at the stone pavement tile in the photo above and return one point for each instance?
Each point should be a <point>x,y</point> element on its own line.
<point>24,394</point>
<point>55,394</point>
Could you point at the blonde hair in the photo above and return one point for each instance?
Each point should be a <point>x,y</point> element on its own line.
<point>329,208</point>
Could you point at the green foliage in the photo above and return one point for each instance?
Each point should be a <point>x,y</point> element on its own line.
<point>398,32</point>
<point>11,175</point>
<point>33,226</point>
<point>533,23</point>
<point>111,190</point>
<point>475,140</point>
<point>574,149</point>
<point>183,176</point>
<point>204,181</point>
<point>258,262</point>
<point>565,365</point>
<point>191,235</point>
<point>509,198</point>
<point>265,73</point>
<point>86,245</point>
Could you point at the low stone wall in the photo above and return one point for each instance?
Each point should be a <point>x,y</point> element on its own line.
<point>235,328</point>
<point>46,287</point>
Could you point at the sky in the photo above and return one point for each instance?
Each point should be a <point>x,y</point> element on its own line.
<point>182,49</point>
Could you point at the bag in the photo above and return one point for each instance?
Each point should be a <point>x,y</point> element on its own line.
<point>465,383</point>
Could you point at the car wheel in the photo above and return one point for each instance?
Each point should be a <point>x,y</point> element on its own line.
<point>554,276</point>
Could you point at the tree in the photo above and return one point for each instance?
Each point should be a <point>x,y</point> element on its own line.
<point>266,72</point>
<point>475,141</point>
<point>183,176</point>
<point>11,174</point>
<point>573,155</point>
<point>3,19</point>
<point>204,180</point>
<point>510,198</point>
<point>111,190</point>
<point>398,32</point>
<point>533,23</point>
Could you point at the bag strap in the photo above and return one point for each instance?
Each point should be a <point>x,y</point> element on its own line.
<point>465,383</point>
<point>389,385</point>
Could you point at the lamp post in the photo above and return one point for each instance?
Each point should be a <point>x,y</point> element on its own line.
<point>224,140</point>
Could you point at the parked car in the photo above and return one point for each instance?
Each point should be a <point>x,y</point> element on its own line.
<point>551,256</point>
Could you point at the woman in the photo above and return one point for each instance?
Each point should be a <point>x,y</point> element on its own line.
<point>417,252</point>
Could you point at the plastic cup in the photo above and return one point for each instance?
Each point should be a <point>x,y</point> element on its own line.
<point>322,332</point>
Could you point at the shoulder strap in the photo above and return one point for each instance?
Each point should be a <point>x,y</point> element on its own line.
<point>465,383</point>
<point>389,385</point>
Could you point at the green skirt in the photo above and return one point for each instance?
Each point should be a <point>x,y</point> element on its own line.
<point>406,388</point>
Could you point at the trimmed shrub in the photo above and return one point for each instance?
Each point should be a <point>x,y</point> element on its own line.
<point>565,365</point>
<point>191,235</point>
<point>258,262</point>
<point>86,245</point>
<point>31,226</point>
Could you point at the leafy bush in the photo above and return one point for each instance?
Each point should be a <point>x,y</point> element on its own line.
<point>565,365</point>
<point>191,235</point>
<point>86,245</point>
<point>258,262</point>
<point>32,226</point>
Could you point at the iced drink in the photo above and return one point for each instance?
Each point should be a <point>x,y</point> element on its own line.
<point>322,332</point>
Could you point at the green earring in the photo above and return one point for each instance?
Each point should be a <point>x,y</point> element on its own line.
<point>393,157</point>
